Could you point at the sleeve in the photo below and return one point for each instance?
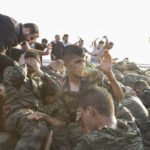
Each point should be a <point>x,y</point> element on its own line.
<point>51,85</point>
<point>57,110</point>
<point>83,145</point>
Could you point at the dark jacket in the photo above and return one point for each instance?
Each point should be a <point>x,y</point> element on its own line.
<point>57,50</point>
<point>10,32</point>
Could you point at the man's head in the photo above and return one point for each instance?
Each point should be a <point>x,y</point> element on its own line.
<point>101,44</point>
<point>14,75</point>
<point>73,57</point>
<point>110,45</point>
<point>81,42</point>
<point>140,85</point>
<point>30,31</point>
<point>57,65</point>
<point>95,104</point>
<point>65,38</point>
<point>57,38</point>
<point>44,42</point>
<point>31,55</point>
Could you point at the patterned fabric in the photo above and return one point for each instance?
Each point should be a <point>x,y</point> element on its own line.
<point>32,134</point>
<point>145,97</point>
<point>7,141</point>
<point>131,78</point>
<point>21,99</point>
<point>145,130</point>
<point>67,103</point>
<point>125,137</point>
<point>139,111</point>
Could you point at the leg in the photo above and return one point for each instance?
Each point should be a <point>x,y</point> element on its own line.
<point>33,137</point>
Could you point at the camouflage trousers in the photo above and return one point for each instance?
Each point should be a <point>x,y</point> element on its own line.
<point>7,141</point>
<point>31,134</point>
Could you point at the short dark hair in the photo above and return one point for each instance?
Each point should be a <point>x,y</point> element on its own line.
<point>33,28</point>
<point>101,42</point>
<point>65,35</point>
<point>44,41</point>
<point>31,54</point>
<point>98,98</point>
<point>140,84</point>
<point>57,35</point>
<point>71,50</point>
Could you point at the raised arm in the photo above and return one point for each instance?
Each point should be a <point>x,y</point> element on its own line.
<point>106,66</point>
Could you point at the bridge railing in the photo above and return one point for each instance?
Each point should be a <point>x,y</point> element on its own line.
<point>142,66</point>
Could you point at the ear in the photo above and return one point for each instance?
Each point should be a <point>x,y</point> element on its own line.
<point>90,111</point>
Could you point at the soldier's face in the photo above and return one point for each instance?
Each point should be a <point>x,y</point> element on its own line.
<point>86,118</point>
<point>31,38</point>
<point>76,66</point>
<point>66,39</point>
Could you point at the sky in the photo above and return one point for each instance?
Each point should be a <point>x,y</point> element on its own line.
<point>125,22</point>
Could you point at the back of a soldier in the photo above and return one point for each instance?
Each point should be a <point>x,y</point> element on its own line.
<point>69,99</point>
<point>122,138</point>
<point>138,111</point>
<point>9,36</point>
<point>21,100</point>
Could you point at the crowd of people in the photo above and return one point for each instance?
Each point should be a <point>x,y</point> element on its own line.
<point>71,103</point>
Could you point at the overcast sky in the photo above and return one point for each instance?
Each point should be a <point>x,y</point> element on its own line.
<point>125,22</point>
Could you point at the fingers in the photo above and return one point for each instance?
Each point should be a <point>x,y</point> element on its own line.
<point>34,63</point>
<point>34,116</point>
<point>78,115</point>
<point>2,90</point>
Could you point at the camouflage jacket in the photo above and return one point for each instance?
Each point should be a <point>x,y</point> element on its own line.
<point>67,101</point>
<point>125,137</point>
<point>25,93</point>
<point>145,97</point>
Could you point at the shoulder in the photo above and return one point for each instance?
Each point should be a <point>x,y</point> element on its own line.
<point>7,22</point>
<point>96,140</point>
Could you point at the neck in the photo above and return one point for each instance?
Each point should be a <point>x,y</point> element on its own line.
<point>74,83</point>
<point>110,122</point>
<point>65,42</point>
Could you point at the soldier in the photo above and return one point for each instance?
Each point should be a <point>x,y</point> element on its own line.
<point>24,96</point>
<point>103,131</point>
<point>143,92</point>
<point>79,78</point>
<point>96,116</point>
<point>11,34</point>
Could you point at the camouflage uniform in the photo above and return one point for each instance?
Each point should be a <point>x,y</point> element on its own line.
<point>122,66</point>
<point>145,97</point>
<point>139,111</point>
<point>52,73</point>
<point>7,141</point>
<point>119,76</point>
<point>23,96</point>
<point>145,130</point>
<point>131,78</point>
<point>69,99</point>
<point>125,137</point>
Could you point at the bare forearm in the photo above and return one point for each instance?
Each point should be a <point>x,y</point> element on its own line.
<point>116,89</point>
<point>40,52</point>
<point>55,122</point>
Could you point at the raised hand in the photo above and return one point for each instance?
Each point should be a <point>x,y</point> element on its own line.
<point>106,62</point>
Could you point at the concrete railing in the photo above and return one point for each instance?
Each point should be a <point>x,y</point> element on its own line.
<point>142,66</point>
